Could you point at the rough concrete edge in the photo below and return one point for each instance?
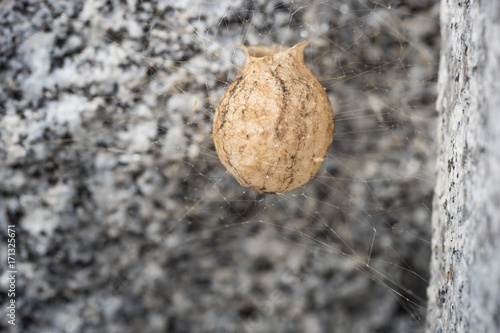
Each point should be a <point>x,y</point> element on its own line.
<point>465,275</point>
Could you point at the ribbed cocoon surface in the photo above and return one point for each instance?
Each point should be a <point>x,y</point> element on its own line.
<point>274,124</point>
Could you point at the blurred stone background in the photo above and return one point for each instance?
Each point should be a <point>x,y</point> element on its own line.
<point>127,222</point>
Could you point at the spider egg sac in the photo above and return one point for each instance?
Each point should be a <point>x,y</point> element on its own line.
<point>274,124</point>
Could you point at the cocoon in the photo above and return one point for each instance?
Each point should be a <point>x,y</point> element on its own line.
<point>274,124</point>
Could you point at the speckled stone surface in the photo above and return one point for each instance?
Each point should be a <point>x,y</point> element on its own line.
<point>127,222</point>
<point>464,290</point>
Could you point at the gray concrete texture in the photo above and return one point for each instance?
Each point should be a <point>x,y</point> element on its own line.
<point>464,292</point>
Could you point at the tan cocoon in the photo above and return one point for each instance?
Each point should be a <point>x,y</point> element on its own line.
<point>274,124</point>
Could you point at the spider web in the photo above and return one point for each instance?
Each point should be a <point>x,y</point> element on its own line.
<point>167,239</point>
